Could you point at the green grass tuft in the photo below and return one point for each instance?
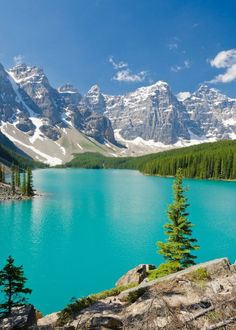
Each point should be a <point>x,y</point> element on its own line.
<point>200,274</point>
<point>134,295</point>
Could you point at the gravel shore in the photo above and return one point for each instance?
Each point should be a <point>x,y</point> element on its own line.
<point>7,195</point>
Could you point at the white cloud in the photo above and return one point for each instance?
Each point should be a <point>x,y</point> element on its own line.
<point>117,65</point>
<point>18,59</point>
<point>225,59</point>
<point>172,46</point>
<point>176,68</point>
<point>128,76</point>
<point>125,74</point>
<point>183,96</point>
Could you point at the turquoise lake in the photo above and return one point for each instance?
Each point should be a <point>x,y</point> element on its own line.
<point>91,226</point>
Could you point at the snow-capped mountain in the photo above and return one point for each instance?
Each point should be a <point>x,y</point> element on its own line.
<point>152,113</point>
<point>51,124</point>
<point>213,112</point>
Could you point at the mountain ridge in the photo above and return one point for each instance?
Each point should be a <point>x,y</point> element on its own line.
<point>38,117</point>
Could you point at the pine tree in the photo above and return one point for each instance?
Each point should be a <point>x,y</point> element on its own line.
<point>17,176</point>
<point>13,180</point>
<point>23,184</point>
<point>29,183</point>
<point>1,173</point>
<point>12,280</point>
<point>179,244</point>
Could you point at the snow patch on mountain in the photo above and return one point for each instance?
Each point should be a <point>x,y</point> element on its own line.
<point>47,158</point>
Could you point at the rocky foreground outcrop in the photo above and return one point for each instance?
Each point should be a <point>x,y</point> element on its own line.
<point>22,318</point>
<point>200,297</point>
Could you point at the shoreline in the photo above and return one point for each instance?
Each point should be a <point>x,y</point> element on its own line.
<point>136,169</point>
<point>7,195</point>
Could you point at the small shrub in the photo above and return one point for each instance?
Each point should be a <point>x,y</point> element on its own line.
<point>134,295</point>
<point>200,274</point>
<point>73,309</point>
<point>112,292</point>
<point>215,316</point>
<point>39,314</point>
<point>162,270</point>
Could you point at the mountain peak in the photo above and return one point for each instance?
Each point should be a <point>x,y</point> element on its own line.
<point>68,88</point>
<point>95,89</point>
<point>158,85</point>
<point>204,87</point>
<point>23,73</point>
<point>205,91</point>
<point>20,66</point>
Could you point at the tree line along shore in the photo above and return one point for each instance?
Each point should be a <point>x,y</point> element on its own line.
<point>205,161</point>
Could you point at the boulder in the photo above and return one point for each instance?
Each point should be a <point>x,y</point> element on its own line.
<point>51,132</point>
<point>21,318</point>
<point>233,267</point>
<point>135,275</point>
<point>105,322</point>
<point>47,322</point>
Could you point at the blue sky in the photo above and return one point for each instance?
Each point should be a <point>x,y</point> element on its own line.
<point>123,44</point>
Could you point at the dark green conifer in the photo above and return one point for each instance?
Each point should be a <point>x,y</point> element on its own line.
<point>17,176</point>
<point>29,183</point>
<point>12,280</point>
<point>13,179</point>
<point>179,244</point>
<point>1,173</point>
<point>23,183</point>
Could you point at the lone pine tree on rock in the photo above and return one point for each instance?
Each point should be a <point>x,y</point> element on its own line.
<point>12,280</point>
<point>179,244</point>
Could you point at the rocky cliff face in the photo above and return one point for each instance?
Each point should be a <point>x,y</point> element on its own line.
<point>152,113</point>
<point>36,85</point>
<point>84,113</point>
<point>200,297</point>
<point>58,105</point>
<point>22,318</point>
<point>14,102</point>
<point>213,112</point>
<point>36,116</point>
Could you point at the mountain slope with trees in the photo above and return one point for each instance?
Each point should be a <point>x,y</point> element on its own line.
<point>10,154</point>
<point>205,161</point>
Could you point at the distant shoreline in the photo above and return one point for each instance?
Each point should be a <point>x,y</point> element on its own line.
<point>134,169</point>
